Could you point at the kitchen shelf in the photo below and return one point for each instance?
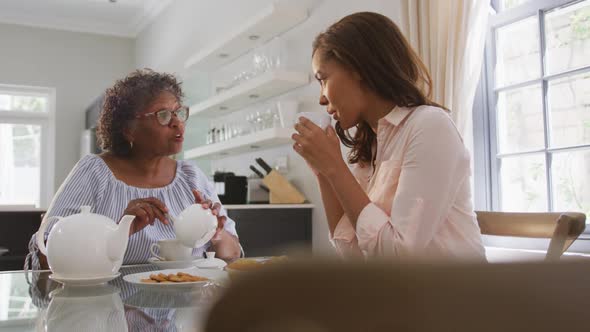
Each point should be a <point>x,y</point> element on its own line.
<point>271,21</point>
<point>267,85</point>
<point>252,142</point>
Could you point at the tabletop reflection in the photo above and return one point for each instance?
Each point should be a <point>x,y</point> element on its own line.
<point>115,306</point>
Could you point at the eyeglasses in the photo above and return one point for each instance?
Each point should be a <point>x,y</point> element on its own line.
<point>165,116</point>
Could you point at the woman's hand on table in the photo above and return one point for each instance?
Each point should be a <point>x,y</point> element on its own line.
<point>146,211</point>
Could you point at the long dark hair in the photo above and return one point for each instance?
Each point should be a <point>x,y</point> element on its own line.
<point>371,45</point>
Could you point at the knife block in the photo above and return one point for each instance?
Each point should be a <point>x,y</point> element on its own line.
<point>257,195</point>
<point>281,190</point>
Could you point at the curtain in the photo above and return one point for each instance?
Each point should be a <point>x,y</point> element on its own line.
<point>449,36</point>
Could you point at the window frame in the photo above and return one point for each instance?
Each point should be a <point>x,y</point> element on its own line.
<point>46,120</point>
<point>486,157</point>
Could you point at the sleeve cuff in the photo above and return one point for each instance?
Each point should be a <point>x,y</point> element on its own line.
<point>344,232</point>
<point>370,221</point>
<point>230,227</point>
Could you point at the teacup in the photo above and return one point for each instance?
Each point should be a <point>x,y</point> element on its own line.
<point>171,250</point>
<point>321,119</point>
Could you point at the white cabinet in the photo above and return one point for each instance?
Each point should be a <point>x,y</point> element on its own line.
<point>270,22</point>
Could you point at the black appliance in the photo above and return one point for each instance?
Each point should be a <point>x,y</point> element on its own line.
<point>231,188</point>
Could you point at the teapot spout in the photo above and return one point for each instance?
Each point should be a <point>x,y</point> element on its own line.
<point>117,242</point>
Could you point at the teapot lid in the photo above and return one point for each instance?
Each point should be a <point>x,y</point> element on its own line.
<point>85,212</point>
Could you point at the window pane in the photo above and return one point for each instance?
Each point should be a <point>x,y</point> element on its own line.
<point>569,106</point>
<point>507,4</point>
<point>520,120</point>
<point>5,102</point>
<point>567,32</point>
<point>517,52</point>
<point>571,181</point>
<point>10,102</point>
<point>523,183</point>
<point>20,164</point>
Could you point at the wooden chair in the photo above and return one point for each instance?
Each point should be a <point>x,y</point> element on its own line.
<point>562,228</point>
<point>320,296</point>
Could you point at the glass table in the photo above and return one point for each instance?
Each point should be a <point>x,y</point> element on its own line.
<point>31,301</point>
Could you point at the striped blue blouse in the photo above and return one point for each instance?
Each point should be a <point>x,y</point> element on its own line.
<point>91,182</point>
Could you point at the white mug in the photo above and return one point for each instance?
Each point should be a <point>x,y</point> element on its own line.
<point>171,250</point>
<point>287,112</point>
<point>321,119</point>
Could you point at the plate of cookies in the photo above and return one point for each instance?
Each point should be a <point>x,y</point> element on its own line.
<point>176,278</point>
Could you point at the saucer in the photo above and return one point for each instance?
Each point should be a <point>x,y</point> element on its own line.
<point>83,281</point>
<point>172,264</point>
<point>210,263</point>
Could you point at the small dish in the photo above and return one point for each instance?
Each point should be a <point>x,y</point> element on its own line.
<point>172,264</point>
<point>210,262</point>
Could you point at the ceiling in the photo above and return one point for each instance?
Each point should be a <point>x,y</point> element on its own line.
<point>124,18</point>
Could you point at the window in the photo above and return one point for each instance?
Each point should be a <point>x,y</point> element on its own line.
<point>26,145</point>
<point>538,91</point>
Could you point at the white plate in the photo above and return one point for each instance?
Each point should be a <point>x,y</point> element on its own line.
<point>172,264</point>
<point>84,281</point>
<point>216,276</point>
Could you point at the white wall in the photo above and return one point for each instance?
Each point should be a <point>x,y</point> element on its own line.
<point>186,25</point>
<point>78,65</point>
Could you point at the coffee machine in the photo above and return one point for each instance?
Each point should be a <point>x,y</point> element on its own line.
<point>231,188</point>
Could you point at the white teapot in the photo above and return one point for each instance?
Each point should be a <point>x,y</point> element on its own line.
<point>85,245</point>
<point>194,226</point>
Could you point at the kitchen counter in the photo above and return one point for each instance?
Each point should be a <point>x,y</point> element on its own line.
<point>273,229</point>
<point>267,206</point>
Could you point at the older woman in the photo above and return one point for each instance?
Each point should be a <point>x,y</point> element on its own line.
<point>142,123</point>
